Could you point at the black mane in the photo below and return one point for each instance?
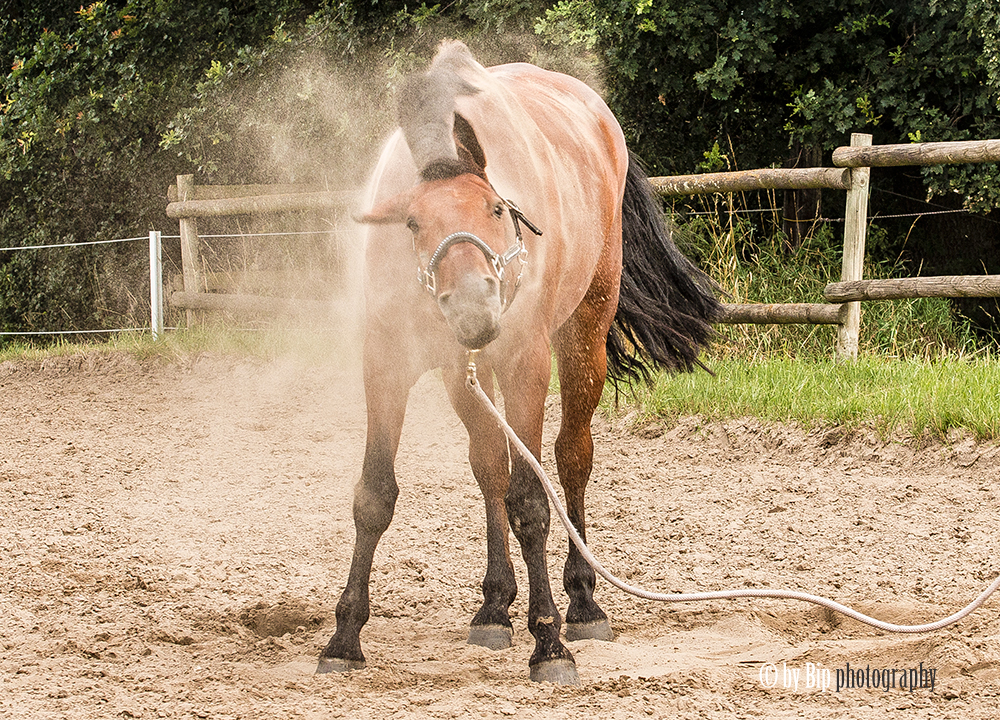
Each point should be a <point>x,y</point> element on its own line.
<point>442,142</point>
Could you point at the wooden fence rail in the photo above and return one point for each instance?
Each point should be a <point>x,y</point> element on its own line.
<point>945,286</point>
<point>257,204</point>
<point>932,153</point>
<point>245,304</point>
<point>764,179</point>
<point>188,202</point>
<point>783,314</point>
<point>852,174</point>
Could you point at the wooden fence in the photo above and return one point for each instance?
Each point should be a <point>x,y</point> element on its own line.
<point>188,202</point>
<point>852,174</point>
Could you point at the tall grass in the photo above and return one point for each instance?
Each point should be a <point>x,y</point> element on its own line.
<point>753,262</point>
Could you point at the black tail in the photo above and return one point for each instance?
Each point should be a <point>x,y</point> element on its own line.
<point>666,304</point>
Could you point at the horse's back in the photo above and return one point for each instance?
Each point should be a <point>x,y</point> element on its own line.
<point>556,114</point>
<point>553,146</point>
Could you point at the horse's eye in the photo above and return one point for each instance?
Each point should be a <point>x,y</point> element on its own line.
<point>412,225</point>
<point>498,210</point>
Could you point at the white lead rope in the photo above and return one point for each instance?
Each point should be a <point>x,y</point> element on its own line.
<point>477,391</point>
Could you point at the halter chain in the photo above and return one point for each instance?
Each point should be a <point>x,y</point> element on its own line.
<point>499,262</point>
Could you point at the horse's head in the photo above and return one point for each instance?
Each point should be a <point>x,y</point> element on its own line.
<point>460,238</point>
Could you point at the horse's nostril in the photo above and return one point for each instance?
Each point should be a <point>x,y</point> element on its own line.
<point>444,298</point>
<point>492,285</point>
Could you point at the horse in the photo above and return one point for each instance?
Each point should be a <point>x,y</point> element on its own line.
<point>507,217</point>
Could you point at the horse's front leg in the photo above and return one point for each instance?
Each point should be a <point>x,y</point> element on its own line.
<point>491,626</point>
<point>374,504</point>
<point>525,384</point>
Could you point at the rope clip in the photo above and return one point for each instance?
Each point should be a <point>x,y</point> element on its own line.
<point>470,369</point>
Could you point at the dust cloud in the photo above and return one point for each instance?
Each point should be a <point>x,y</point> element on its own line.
<point>313,122</point>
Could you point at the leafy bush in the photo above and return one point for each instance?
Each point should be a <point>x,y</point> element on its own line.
<point>770,77</point>
<point>83,109</point>
<point>784,83</point>
<point>106,104</point>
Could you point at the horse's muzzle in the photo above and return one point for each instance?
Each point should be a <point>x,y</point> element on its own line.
<point>472,310</point>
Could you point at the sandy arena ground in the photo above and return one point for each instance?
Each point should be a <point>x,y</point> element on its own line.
<point>175,538</point>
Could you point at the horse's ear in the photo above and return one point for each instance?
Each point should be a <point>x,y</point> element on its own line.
<point>391,210</point>
<point>466,140</point>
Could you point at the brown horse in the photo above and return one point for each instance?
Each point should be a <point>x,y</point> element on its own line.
<point>487,160</point>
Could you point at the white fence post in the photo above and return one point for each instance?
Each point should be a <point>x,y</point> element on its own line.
<point>155,284</point>
<point>855,230</point>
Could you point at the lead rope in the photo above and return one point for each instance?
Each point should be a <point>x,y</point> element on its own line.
<point>474,387</point>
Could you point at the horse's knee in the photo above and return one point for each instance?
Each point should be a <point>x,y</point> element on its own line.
<point>527,510</point>
<point>374,505</point>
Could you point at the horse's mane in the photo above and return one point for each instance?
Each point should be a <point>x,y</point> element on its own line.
<point>442,142</point>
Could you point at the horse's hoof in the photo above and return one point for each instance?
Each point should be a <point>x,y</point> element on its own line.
<point>596,630</point>
<point>560,672</point>
<point>494,637</point>
<point>339,665</point>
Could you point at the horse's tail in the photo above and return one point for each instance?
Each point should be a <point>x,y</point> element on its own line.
<point>666,305</point>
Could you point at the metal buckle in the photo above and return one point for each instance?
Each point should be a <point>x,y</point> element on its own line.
<point>427,280</point>
<point>498,263</point>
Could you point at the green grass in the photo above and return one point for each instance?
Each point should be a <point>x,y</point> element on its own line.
<point>336,346</point>
<point>913,395</point>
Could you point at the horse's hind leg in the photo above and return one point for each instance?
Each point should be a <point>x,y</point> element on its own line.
<point>580,352</point>
<point>491,626</point>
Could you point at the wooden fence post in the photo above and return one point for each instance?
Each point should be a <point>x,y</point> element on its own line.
<point>855,230</point>
<point>190,254</point>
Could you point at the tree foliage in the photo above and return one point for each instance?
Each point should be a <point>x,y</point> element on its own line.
<point>741,84</point>
<point>105,103</point>
<point>80,124</point>
<point>763,78</point>
<point>102,105</point>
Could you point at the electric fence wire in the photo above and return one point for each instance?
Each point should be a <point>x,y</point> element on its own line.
<point>125,240</point>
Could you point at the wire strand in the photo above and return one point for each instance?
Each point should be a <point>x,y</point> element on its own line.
<point>272,234</point>
<point>76,244</point>
<point>75,332</point>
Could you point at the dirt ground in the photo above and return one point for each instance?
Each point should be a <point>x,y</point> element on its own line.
<point>175,537</point>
